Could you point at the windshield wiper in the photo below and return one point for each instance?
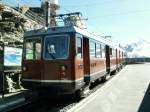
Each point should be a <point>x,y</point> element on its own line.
<point>53,57</point>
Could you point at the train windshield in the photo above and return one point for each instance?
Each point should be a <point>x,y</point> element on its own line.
<point>32,49</point>
<point>56,47</point>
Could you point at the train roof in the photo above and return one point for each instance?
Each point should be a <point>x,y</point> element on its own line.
<point>70,29</point>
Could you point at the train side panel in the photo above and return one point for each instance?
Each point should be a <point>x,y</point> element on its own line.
<point>111,59</point>
<point>97,60</point>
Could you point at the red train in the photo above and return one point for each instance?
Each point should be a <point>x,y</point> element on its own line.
<point>66,59</point>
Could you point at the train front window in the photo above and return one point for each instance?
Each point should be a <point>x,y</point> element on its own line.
<point>32,49</point>
<point>56,47</point>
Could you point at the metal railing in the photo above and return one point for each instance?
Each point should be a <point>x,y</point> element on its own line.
<point>31,15</point>
<point>35,17</point>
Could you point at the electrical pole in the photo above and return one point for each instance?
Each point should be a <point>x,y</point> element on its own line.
<point>51,7</point>
<point>47,12</point>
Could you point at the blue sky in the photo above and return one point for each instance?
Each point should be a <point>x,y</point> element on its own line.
<point>124,20</point>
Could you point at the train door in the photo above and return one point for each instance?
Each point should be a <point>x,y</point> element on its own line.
<point>2,69</point>
<point>86,59</point>
<point>107,58</point>
<point>79,65</point>
<point>116,58</point>
<point>119,58</point>
<point>122,57</point>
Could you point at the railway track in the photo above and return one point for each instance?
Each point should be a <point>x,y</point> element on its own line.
<point>34,103</point>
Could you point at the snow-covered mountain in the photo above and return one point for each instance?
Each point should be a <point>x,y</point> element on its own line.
<point>138,49</point>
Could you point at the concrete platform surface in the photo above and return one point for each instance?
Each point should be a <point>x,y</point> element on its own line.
<point>128,91</point>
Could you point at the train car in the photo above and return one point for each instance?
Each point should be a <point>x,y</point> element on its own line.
<point>121,58</point>
<point>111,58</point>
<point>124,58</point>
<point>64,59</point>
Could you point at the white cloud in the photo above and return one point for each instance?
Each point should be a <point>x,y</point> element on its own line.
<point>140,48</point>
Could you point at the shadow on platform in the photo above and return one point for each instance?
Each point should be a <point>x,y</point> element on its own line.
<point>145,105</point>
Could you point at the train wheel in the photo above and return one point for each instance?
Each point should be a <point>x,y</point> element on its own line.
<point>82,92</point>
<point>103,79</point>
<point>113,72</point>
<point>79,94</point>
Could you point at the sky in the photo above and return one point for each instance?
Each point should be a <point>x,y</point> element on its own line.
<point>124,20</point>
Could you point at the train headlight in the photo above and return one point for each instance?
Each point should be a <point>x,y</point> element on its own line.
<point>63,74</point>
<point>63,68</point>
<point>24,68</point>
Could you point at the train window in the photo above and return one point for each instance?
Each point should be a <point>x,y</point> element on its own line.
<point>56,47</point>
<point>29,50</point>
<point>33,49</point>
<point>119,54</point>
<point>79,47</point>
<point>103,50</point>
<point>98,50</point>
<point>110,51</point>
<point>92,49</point>
<point>113,52</point>
<point>37,50</point>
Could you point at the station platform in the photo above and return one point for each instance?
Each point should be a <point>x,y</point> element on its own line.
<point>128,91</point>
<point>11,100</point>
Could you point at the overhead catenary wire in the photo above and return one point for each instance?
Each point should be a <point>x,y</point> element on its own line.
<point>91,25</point>
<point>122,13</point>
<point>28,2</point>
<point>96,28</point>
<point>86,6</point>
<point>93,4</point>
<point>100,3</point>
<point>66,10</point>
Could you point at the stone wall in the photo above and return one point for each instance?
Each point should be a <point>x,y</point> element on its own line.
<point>14,24</point>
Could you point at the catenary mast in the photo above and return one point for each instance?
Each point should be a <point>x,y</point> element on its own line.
<point>51,7</point>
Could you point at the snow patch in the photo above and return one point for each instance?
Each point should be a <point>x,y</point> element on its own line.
<point>138,49</point>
